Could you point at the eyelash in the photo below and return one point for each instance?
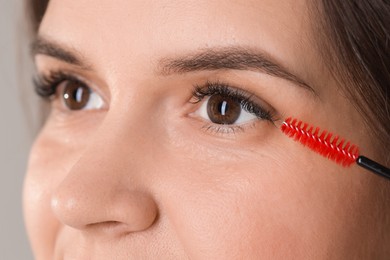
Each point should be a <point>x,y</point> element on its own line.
<point>46,85</point>
<point>243,97</point>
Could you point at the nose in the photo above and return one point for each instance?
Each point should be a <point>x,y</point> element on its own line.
<point>105,191</point>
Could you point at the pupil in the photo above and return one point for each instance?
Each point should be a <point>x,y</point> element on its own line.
<point>223,110</point>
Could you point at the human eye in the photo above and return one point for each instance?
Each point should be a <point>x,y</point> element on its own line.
<point>72,92</point>
<point>226,108</point>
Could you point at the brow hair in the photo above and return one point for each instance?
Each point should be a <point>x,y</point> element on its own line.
<point>214,58</point>
<point>44,46</point>
<point>230,58</point>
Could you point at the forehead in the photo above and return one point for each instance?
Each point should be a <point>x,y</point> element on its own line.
<point>135,30</point>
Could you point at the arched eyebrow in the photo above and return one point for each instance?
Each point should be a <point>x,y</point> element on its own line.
<point>44,46</point>
<point>230,58</point>
<point>215,58</point>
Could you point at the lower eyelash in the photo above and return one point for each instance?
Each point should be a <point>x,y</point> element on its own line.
<point>223,129</point>
<point>241,96</point>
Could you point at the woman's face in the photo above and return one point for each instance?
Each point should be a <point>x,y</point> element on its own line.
<point>163,139</point>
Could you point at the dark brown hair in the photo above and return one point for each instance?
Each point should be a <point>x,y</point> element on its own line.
<point>36,10</point>
<point>356,34</point>
<point>355,46</point>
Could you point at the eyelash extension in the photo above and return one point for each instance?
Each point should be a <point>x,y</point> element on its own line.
<point>46,85</point>
<point>335,149</point>
<point>238,95</point>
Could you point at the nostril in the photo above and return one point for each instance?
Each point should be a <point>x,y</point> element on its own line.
<point>109,228</point>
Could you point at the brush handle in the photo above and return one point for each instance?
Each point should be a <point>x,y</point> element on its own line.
<point>373,166</point>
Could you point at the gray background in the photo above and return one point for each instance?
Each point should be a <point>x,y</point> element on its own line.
<point>17,127</point>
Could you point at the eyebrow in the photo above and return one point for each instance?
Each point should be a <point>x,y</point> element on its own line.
<point>216,58</point>
<point>230,58</point>
<point>47,47</point>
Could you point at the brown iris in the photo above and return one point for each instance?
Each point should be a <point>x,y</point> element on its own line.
<point>76,95</point>
<point>223,110</point>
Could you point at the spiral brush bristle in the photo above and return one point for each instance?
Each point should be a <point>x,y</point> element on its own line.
<point>324,143</point>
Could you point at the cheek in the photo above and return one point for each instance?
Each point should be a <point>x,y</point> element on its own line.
<point>40,222</point>
<point>48,165</point>
<point>269,206</point>
<point>268,202</point>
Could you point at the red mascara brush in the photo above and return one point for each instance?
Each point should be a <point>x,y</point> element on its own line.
<point>332,147</point>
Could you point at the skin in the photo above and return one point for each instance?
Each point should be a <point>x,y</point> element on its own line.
<point>142,177</point>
